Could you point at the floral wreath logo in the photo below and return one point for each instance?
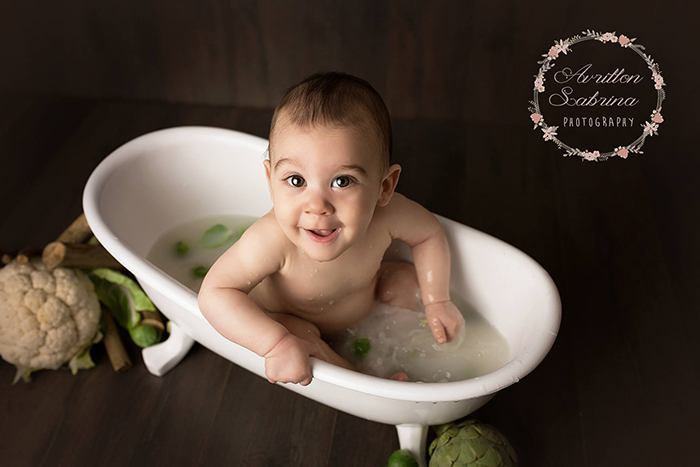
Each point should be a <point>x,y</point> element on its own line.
<point>650,128</point>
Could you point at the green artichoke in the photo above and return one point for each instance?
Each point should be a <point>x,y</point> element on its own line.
<point>470,443</point>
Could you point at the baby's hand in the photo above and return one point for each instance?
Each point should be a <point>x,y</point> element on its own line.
<point>288,361</point>
<point>443,317</point>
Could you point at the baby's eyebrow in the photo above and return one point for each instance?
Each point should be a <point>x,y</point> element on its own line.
<point>289,160</point>
<point>354,167</point>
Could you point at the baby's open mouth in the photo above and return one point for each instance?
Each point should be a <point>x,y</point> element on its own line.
<point>323,236</point>
<point>323,233</point>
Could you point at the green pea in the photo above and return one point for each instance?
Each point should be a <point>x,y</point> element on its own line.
<point>181,248</point>
<point>361,346</point>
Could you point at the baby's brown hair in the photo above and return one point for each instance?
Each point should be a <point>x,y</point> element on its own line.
<point>338,100</point>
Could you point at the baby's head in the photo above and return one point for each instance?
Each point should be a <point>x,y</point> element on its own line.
<point>335,100</point>
<point>331,127</point>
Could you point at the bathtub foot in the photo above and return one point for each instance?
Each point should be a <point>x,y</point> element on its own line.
<point>161,358</point>
<point>413,438</point>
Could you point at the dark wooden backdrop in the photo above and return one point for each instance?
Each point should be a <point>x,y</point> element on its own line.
<point>619,238</point>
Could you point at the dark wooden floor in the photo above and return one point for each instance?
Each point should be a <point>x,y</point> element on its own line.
<point>620,386</point>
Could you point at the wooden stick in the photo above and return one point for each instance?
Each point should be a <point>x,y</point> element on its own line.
<point>57,254</point>
<point>113,343</point>
<point>152,318</point>
<point>26,253</point>
<point>78,232</point>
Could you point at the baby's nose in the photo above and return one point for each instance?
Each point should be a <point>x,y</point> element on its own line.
<point>319,205</point>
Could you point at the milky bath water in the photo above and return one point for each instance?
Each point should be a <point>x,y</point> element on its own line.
<point>388,340</point>
<point>186,252</point>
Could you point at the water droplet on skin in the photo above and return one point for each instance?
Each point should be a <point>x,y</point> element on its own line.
<point>321,295</point>
<point>321,308</point>
<point>431,298</point>
<point>430,277</point>
<point>249,282</point>
<point>370,246</point>
<point>331,302</point>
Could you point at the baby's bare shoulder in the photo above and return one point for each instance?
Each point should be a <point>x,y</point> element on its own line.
<point>261,251</point>
<point>408,220</point>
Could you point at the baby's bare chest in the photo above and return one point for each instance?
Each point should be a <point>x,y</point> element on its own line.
<point>306,283</point>
<point>333,294</point>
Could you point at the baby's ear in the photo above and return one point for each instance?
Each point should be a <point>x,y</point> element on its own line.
<point>266,163</point>
<point>391,179</point>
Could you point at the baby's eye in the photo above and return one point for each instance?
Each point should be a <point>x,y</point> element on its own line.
<point>295,180</point>
<point>343,181</point>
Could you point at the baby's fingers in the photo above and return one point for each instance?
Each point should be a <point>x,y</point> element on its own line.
<point>438,330</point>
<point>453,327</point>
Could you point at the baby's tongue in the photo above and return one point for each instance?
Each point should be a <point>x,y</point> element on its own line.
<point>322,233</point>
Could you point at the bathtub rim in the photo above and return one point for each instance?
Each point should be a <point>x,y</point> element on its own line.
<point>520,366</point>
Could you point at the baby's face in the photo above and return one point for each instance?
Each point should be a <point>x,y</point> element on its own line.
<point>325,180</point>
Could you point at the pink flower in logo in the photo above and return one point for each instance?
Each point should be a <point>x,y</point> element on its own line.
<point>625,41</point>
<point>622,152</point>
<point>590,156</point>
<point>536,118</point>
<point>554,51</point>
<point>608,36</point>
<point>539,84</point>
<point>659,81</point>
<point>656,117</point>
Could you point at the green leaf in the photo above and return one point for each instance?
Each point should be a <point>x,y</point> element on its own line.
<point>81,362</point>
<point>145,336</point>
<point>200,271</point>
<point>24,374</point>
<point>118,299</point>
<point>216,236</point>
<point>141,300</point>
<point>93,241</point>
<point>361,346</point>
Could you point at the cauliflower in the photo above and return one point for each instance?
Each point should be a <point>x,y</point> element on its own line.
<point>47,318</point>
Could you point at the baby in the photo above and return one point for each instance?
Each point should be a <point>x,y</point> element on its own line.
<point>312,266</point>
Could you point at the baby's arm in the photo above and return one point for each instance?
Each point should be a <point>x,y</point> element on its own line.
<point>419,229</point>
<point>224,302</point>
<point>223,298</point>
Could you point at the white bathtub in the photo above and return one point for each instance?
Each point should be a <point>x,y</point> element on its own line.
<point>172,176</point>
